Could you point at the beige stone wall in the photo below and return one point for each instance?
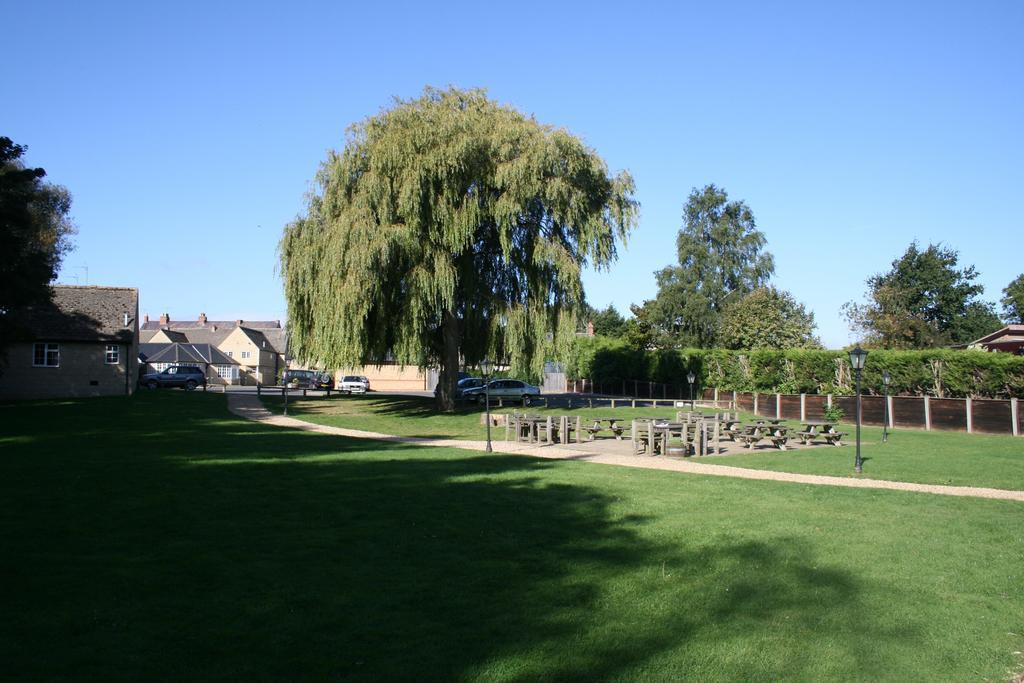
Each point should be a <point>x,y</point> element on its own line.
<point>82,372</point>
<point>388,377</point>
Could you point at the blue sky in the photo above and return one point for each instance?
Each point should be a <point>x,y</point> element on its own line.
<point>188,132</point>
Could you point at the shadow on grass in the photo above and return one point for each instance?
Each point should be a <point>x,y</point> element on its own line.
<point>160,538</point>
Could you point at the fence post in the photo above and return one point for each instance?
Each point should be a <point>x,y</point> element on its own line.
<point>828,400</point>
<point>1015,416</point>
<point>927,412</point>
<point>778,406</point>
<point>892,420</point>
<point>970,418</point>
<point>613,404</point>
<point>634,403</point>
<point>755,403</point>
<point>716,397</point>
<point>803,407</point>
<point>258,388</point>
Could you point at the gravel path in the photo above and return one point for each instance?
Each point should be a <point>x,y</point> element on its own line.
<point>250,408</point>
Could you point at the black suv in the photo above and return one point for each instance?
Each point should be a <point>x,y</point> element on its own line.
<point>184,376</point>
<point>306,379</point>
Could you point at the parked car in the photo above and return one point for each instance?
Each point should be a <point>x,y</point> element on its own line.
<point>353,384</point>
<point>366,381</point>
<point>184,376</point>
<point>505,389</point>
<point>461,386</point>
<point>306,379</point>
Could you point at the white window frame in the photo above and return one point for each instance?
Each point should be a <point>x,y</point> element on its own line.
<point>246,354</point>
<point>227,371</point>
<point>48,348</point>
<point>112,355</point>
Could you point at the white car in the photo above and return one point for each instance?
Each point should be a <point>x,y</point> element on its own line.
<point>352,384</point>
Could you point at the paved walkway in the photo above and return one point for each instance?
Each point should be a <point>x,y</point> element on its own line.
<point>251,408</point>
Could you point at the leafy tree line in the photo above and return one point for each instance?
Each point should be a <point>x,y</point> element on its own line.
<point>936,372</point>
<point>718,294</point>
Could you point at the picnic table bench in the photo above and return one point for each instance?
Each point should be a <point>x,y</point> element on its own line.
<point>817,428</point>
<point>597,426</point>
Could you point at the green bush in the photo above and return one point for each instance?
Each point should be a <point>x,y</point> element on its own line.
<point>937,372</point>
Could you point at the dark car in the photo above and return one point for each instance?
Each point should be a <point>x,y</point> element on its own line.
<point>462,385</point>
<point>307,379</point>
<point>184,376</point>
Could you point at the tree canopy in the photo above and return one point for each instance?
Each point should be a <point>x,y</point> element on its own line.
<point>923,301</point>
<point>608,322</point>
<point>450,228</point>
<point>35,233</point>
<point>721,258</point>
<point>1013,300</point>
<point>767,318</point>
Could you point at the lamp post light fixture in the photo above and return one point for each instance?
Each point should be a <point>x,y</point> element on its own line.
<point>485,369</point>
<point>690,377</point>
<point>886,378</point>
<point>858,357</point>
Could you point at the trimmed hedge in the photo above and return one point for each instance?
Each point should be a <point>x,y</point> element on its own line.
<point>936,372</point>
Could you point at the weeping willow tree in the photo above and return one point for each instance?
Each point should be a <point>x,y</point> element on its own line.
<point>449,229</point>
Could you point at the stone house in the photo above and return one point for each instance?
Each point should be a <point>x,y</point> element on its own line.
<point>82,343</point>
<point>256,347</point>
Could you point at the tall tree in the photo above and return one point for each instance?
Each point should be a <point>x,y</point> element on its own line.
<point>923,301</point>
<point>1013,300</point>
<point>608,322</point>
<point>767,318</point>
<point>35,233</point>
<point>450,228</point>
<point>721,258</point>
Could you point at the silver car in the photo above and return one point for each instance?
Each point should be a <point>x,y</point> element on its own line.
<point>505,389</point>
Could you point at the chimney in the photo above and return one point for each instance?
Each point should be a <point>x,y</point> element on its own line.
<point>146,318</point>
<point>202,318</point>
<point>164,319</point>
<point>238,323</point>
<point>590,329</point>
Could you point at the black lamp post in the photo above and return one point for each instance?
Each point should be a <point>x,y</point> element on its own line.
<point>485,370</point>
<point>886,378</point>
<point>858,357</point>
<point>690,377</point>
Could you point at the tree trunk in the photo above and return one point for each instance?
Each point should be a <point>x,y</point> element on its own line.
<point>449,375</point>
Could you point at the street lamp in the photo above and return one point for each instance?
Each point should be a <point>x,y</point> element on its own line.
<point>485,369</point>
<point>689,378</point>
<point>886,378</point>
<point>858,357</point>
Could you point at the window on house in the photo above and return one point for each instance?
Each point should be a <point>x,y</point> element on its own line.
<point>246,354</point>
<point>227,371</point>
<point>46,355</point>
<point>113,355</point>
<point>231,354</point>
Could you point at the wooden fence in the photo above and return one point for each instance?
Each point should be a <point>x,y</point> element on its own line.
<point>992,416</point>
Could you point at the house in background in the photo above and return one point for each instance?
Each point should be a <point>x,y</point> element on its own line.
<point>1009,339</point>
<point>217,366</point>
<point>256,348</point>
<point>83,343</point>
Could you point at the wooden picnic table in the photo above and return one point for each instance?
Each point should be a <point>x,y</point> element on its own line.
<point>613,425</point>
<point>823,428</point>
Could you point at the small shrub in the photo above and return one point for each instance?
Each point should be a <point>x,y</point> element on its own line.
<point>834,413</point>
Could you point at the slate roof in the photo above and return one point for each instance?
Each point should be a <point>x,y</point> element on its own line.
<point>183,353</point>
<point>81,314</point>
<point>186,325</point>
<point>216,332</point>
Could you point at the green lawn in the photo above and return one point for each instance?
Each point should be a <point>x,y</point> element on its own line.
<point>159,538</point>
<point>934,457</point>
